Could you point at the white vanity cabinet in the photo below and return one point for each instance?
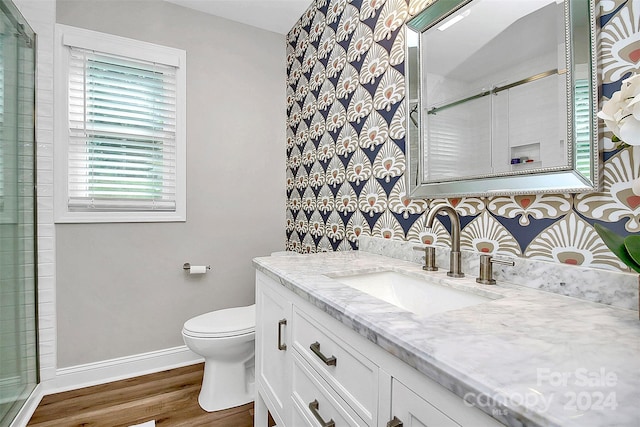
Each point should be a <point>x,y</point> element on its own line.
<point>273,317</point>
<point>330,376</point>
<point>350,379</point>
<point>341,366</point>
<point>317,403</point>
<point>413,411</point>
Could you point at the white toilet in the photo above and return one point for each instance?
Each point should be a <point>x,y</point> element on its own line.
<point>226,340</point>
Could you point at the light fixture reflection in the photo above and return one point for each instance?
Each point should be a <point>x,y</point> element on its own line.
<point>454,20</point>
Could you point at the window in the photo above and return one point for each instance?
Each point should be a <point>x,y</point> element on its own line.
<point>120,148</point>
<point>582,124</point>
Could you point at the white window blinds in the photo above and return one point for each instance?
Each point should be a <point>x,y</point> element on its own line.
<point>122,134</point>
<point>582,114</point>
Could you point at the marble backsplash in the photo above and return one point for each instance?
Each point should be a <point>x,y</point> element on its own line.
<point>618,289</point>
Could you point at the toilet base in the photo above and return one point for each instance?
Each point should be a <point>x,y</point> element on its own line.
<point>226,385</point>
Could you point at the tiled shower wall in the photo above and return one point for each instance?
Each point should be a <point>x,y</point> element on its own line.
<point>346,145</point>
<point>41,17</point>
<point>17,294</point>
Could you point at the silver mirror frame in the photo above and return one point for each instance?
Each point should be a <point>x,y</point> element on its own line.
<point>551,180</point>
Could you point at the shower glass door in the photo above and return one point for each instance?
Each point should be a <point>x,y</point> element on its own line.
<point>18,331</point>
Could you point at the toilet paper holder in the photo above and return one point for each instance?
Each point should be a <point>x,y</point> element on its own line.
<point>187,266</point>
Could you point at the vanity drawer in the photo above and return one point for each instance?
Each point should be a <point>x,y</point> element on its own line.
<point>349,373</point>
<point>314,404</point>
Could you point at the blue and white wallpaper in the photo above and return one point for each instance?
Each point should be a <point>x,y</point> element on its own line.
<point>346,145</point>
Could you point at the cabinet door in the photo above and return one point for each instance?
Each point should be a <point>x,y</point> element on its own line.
<point>273,317</point>
<point>410,410</point>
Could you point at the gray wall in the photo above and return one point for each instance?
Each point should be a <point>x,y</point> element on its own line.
<point>120,288</point>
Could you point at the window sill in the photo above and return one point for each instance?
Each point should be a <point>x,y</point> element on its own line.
<point>115,217</point>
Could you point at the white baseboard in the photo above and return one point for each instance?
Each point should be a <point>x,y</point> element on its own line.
<point>120,368</point>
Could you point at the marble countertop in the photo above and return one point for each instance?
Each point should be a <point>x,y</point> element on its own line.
<point>532,358</point>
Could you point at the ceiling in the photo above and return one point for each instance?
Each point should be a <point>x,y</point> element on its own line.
<point>277,16</point>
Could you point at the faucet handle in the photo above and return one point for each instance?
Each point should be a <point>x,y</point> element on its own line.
<point>486,269</point>
<point>429,257</point>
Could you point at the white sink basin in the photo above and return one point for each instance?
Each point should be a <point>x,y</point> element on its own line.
<point>412,294</point>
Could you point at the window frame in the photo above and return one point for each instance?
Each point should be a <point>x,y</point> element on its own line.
<point>66,36</point>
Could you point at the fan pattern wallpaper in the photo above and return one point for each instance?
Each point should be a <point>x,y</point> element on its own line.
<point>346,144</point>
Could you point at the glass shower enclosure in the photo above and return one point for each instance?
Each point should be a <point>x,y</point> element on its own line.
<point>18,266</point>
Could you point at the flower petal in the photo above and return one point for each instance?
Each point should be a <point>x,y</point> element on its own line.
<point>630,131</point>
<point>632,83</point>
<point>634,107</point>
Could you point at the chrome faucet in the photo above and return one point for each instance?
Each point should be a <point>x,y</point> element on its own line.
<point>455,269</point>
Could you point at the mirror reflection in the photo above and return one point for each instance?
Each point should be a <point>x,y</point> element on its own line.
<point>500,89</point>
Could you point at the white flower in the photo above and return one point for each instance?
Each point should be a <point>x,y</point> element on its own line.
<point>621,113</point>
<point>611,111</point>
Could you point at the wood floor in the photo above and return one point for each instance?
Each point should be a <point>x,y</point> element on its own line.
<point>170,398</point>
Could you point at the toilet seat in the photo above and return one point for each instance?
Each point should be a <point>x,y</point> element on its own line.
<point>224,323</point>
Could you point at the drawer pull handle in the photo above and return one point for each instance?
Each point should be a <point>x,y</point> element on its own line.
<point>313,406</point>
<point>329,361</point>
<point>395,422</point>
<point>281,323</point>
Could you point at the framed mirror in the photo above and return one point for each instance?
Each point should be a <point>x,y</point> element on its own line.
<point>501,98</point>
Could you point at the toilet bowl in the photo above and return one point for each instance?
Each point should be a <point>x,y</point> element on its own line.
<point>225,338</point>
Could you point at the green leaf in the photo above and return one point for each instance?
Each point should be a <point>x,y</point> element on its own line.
<point>632,245</point>
<point>615,243</point>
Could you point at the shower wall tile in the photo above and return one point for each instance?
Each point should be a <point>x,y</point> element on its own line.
<point>17,259</point>
<point>41,17</point>
<point>346,146</point>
